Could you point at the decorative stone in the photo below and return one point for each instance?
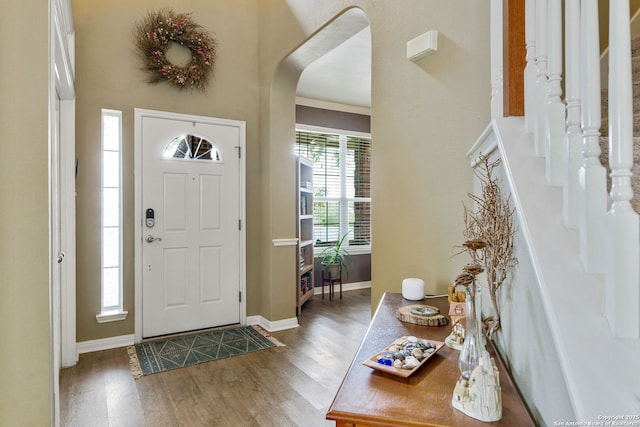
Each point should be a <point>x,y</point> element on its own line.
<point>385,361</point>
<point>424,310</point>
<point>387,354</point>
<point>427,344</point>
<point>394,348</point>
<point>410,362</point>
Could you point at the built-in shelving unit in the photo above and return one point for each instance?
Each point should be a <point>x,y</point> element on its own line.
<point>304,182</point>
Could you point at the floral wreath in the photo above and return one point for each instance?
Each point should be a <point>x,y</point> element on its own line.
<point>153,36</point>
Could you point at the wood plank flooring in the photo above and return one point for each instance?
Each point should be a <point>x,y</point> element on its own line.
<point>283,386</point>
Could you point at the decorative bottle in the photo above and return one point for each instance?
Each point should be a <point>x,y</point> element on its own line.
<point>473,345</point>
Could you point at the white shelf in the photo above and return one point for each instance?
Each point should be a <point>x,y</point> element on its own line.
<point>305,254</point>
<point>306,243</point>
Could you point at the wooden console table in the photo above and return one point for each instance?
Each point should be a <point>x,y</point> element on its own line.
<point>373,398</point>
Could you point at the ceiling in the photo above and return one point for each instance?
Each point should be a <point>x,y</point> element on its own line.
<point>343,75</point>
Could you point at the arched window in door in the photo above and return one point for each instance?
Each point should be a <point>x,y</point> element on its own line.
<point>192,147</point>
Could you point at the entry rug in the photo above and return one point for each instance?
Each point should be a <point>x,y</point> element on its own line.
<point>179,352</point>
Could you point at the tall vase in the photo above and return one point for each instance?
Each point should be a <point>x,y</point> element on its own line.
<point>473,345</point>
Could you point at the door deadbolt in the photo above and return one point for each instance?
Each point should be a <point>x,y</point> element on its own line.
<point>149,218</point>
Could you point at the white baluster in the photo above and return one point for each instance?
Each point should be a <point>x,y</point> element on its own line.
<point>623,252</point>
<point>593,185</point>
<point>530,68</point>
<point>555,109</point>
<point>573,137</point>
<point>496,52</point>
<point>540,132</point>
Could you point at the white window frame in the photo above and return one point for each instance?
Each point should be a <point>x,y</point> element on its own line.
<point>111,313</point>
<point>344,212</point>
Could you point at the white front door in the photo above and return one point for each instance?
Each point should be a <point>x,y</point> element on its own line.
<point>191,236</point>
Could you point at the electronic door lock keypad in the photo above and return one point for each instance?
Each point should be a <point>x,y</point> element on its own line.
<point>149,218</point>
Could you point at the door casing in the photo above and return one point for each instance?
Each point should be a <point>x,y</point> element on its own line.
<point>62,289</point>
<point>139,115</point>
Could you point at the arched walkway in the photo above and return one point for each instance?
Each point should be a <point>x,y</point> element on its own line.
<point>277,165</point>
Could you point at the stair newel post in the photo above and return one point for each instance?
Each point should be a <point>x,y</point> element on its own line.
<point>530,68</point>
<point>573,137</point>
<point>555,109</point>
<point>592,175</point>
<point>623,252</point>
<point>540,132</point>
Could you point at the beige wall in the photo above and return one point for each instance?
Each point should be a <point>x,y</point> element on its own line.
<point>109,76</point>
<point>424,117</point>
<point>25,359</point>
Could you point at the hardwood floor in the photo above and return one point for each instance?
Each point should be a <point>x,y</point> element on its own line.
<point>282,386</point>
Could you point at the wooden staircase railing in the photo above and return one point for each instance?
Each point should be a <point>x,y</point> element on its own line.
<point>566,132</point>
<point>622,228</point>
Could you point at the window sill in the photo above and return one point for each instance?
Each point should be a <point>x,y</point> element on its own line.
<point>353,250</point>
<point>111,316</point>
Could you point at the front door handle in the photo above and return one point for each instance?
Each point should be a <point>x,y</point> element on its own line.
<point>60,257</point>
<point>151,239</point>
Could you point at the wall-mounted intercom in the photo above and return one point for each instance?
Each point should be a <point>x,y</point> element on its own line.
<point>150,216</point>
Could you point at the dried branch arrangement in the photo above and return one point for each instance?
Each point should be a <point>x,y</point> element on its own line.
<point>490,234</point>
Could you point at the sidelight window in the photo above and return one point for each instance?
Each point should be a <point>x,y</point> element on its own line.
<point>111,303</point>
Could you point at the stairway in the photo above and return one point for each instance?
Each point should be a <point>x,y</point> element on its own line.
<point>604,130</point>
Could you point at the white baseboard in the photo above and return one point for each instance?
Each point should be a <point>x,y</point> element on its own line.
<point>105,343</point>
<point>345,288</point>
<point>269,326</point>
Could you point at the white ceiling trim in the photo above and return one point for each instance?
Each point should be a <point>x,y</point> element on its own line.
<point>335,106</point>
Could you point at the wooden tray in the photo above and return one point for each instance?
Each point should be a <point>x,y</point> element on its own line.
<point>372,362</point>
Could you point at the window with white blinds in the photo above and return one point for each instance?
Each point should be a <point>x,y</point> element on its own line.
<point>342,186</point>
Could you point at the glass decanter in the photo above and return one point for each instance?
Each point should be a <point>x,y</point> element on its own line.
<point>473,344</point>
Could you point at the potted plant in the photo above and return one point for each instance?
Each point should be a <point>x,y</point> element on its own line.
<point>334,258</point>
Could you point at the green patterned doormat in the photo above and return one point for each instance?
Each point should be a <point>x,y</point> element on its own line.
<point>179,352</point>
